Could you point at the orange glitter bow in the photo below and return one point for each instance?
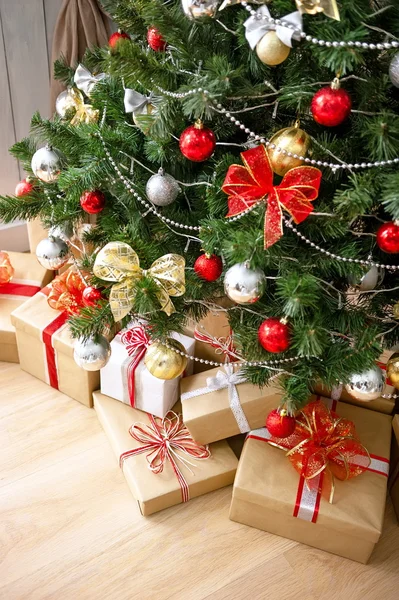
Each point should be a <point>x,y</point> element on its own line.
<point>66,292</point>
<point>249,184</point>
<point>323,441</point>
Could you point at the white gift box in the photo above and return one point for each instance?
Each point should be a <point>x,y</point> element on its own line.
<point>152,395</point>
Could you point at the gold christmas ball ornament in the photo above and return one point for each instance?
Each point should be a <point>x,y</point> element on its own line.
<point>271,50</point>
<point>163,361</point>
<point>393,370</point>
<point>291,139</point>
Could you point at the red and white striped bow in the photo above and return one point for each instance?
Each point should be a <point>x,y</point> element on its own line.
<point>166,439</point>
<point>136,341</point>
<point>223,345</point>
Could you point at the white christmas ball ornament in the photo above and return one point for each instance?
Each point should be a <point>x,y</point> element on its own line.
<point>200,9</point>
<point>366,386</point>
<point>244,285</point>
<point>52,253</point>
<point>47,164</point>
<point>92,354</point>
<point>162,189</point>
<point>394,70</point>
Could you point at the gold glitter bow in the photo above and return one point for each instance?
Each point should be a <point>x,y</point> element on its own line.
<point>313,7</point>
<point>84,113</point>
<point>118,262</point>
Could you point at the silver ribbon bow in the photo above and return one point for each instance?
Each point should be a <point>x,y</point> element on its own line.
<point>256,27</point>
<point>85,81</point>
<point>136,103</point>
<point>225,379</point>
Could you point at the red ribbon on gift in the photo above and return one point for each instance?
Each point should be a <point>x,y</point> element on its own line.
<point>136,341</point>
<point>249,184</point>
<point>166,439</point>
<point>322,443</point>
<point>222,345</point>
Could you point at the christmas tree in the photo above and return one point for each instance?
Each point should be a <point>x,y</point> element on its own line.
<point>228,147</point>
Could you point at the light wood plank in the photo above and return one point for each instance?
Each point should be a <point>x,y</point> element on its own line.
<point>26,53</point>
<point>70,529</point>
<point>51,12</point>
<point>9,171</point>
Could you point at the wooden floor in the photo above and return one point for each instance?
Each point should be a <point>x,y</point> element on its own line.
<point>70,529</point>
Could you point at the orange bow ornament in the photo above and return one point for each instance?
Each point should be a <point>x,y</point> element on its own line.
<point>323,441</point>
<point>6,268</point>
<point>66,292</point>
<point>249,184</point>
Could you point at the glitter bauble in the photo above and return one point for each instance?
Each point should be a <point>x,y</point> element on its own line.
<point>366,386</point>
<point>279,424</point>
<point>291,139</point>
<point>117,37</point>
<point>162,189</point>
<point>92,354</point>
<point>163,361</point>
<point>244,285</point>
<point>208,267</point>
<point>52,253</point>
<point>92,202</point>
<point>197,143</point>
<point>274,335</point>
<point>47,164</point>
<point>155,40</point>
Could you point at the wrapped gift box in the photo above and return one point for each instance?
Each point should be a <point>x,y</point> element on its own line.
<point>29,278</point>
<point>383,404</point>
<point>152,395</point>
<point>45,348</point>
<point>268,492</point>
<point>156,491</point>
<point>394,474</point>
<point>215,408</point>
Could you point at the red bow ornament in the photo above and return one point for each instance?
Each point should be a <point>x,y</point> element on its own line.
<point>249,184</point>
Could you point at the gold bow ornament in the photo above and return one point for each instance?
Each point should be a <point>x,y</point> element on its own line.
<point>314,7</point>
<point>119,263</point>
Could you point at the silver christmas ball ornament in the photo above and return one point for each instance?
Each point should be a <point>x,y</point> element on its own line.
<point>52,253</point>
<point>394,70</point>
<point>244,285</point>
<point>47,164</point>
<point>92,354</point>
<point>370,280</point>
<point>63,232</point>
<point>162,189</point>
<point>200,9</point>
<point>366,386</point>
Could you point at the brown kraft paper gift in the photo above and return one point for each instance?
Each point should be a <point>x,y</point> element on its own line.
<point>266,492</point>
<point>29,277</point>
<point>53,362</point>
<point>209,416</point>
<point>383,405</point>
<point>394,474</point>
<point>156,491</point>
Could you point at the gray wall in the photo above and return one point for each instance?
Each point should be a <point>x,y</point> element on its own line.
<point>26,32</point>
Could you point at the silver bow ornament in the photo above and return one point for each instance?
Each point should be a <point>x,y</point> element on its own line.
<point>85,81</point>
<point>227,379</point>
<point>257,26</point>
<point>136,103</point>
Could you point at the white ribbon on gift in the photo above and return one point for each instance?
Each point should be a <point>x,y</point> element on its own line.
<point>256,27</point>
<point>85,81</point>
<point>136,103</point>
<point>225,379</point>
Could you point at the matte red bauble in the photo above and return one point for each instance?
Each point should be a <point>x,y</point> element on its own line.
<point>197,143</point>
<point>117,37</point>
<point>388,238</point>
<point>280,424</point>
<point>208,267</point>
<point>23,188</point>
<point>91,296</point>
<point>274,335</point>
<point>155,40</point>
<point>92,202</point>
<point>331,105</point>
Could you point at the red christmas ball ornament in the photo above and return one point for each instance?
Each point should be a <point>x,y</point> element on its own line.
<point>274,335</point>
<point>92,202</point>
<point>91,296</point>
<point>197,143</point>
<point>208,267</point>
<point>388,238</point>
<point>279,424</point>
<point>331,105</point>
<point>24,188</point>
<point>117,37</point>
<point>155,40</point>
